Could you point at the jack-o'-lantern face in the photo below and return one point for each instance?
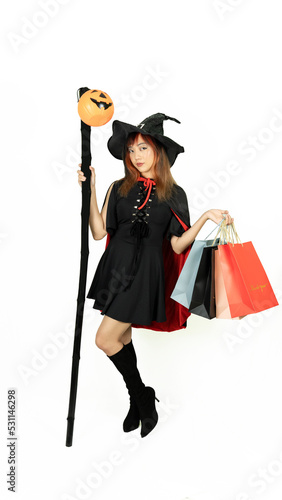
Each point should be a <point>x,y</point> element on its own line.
<point>95,108</point>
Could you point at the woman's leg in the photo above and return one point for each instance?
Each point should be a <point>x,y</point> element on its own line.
<point>110,335</point>
<point>132,418</point>
<point>108,338</point>
<point>126,336</point>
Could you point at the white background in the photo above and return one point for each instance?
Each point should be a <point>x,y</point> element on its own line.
<point>216,66</point>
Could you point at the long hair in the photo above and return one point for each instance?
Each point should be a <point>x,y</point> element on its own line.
<point>161,167</point>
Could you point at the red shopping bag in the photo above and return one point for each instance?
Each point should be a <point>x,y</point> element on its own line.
<point>221,300</point>
<point>247,286</point>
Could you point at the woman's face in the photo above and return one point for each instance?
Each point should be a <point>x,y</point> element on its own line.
<point>142,156</point>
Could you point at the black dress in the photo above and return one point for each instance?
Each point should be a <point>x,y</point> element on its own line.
<point>129,282</point>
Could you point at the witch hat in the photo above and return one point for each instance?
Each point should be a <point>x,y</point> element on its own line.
<point>153,126</point>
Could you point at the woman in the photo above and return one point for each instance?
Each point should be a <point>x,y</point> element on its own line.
<point>145,215</point>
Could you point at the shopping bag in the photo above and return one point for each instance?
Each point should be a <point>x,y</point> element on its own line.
<point>247,286</point>
<point>212,311</point>
<point>203,298</point>
<point>221,300</point>
<point>182,292</point>
<point>183,289</point>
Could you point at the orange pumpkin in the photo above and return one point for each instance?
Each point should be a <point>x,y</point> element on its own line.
<point>95,108</point>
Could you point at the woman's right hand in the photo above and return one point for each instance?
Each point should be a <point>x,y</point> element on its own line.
<point>217,215</point>
<point>81,177</point>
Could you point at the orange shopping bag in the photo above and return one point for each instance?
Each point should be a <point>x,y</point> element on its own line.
<point>247,286</point>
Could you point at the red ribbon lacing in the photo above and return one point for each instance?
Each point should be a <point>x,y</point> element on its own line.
<point>140,229</point>
<point>148,183</point>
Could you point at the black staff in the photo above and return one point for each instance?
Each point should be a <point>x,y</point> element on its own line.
<point>85,210</point>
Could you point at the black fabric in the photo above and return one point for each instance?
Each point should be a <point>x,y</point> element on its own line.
<point>130,346</point>
<point>111,219</point>
<point>125,364</point>
<point>144,301</point>
<point>179,204</point>
<point>154,124</point>
<point>132,419</point>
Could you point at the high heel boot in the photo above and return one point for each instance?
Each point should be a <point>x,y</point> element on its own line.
<point>132,419</point>
<point>143,396</point>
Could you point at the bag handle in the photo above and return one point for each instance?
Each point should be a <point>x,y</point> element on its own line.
<point>222,234</point>
<point>214,229</point>
<point>227,233</point>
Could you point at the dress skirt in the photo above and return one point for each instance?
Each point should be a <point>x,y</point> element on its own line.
<point>137,297</point>
<point>143,301</point>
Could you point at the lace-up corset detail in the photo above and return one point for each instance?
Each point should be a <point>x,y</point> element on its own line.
<point>144,199</point>
<point>141,213</point>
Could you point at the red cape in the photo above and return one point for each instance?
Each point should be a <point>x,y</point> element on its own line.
<point>176,313</point>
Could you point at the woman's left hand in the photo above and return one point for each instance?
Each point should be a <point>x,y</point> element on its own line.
<point>217,215</point>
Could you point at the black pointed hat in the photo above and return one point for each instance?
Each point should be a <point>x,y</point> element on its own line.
<point>153,126</point>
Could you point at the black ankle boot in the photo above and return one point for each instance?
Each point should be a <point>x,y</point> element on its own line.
<point>147,411</point>
<point>132,419</point>
<point>133,413</point>
<point>143,396</point>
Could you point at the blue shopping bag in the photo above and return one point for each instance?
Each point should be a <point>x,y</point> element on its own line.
<point>184,286</point>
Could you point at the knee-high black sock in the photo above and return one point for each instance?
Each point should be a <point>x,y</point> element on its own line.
<point>130,346</point>
<point>126,365</point>
<point>143,396</point>
<point>132,419</point>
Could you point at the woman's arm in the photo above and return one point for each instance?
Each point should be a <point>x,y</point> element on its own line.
<point>97,220</point>
<point>179,243</point>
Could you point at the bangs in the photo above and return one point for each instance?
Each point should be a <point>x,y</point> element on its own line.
<point>132,139</point>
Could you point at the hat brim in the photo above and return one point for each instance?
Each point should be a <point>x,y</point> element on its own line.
<point>121,131</point>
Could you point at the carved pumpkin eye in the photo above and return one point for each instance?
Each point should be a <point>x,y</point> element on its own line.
<point>95,108</point>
